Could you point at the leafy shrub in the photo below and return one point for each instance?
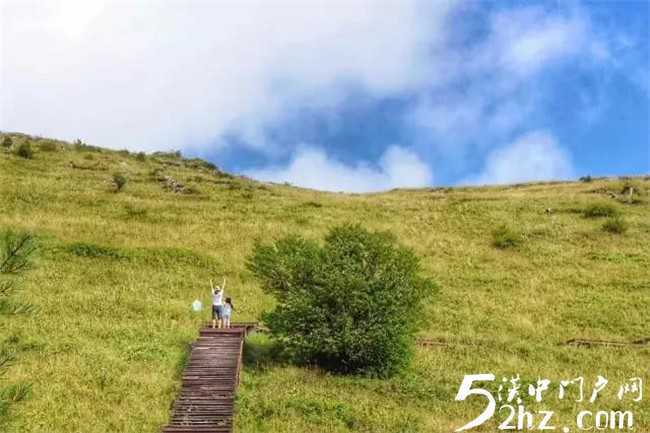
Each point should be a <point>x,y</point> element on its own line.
<point>24,150</point>
<point>503,237</point>
<point>586,178</point>
<point>7,142</point>
<point>599,210</point>
<point>350,305</point>
<point>141,156</point>
<point>616,225</point>
<point>119,180</point>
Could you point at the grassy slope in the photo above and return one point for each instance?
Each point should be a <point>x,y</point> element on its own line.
<point>105,349</point>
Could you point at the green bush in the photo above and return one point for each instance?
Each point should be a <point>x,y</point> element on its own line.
<point>7,142</point>
<point>599,210</point>
<point>351,305</point>
<point>24,150</point>
<point>586,179</point>
<point>119,180</point>
<point>141,156</point>
<point>503,237</point>
<point>616,225</point>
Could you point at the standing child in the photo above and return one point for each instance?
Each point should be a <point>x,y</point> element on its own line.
<point>227,312</point>
<point>217,303</point>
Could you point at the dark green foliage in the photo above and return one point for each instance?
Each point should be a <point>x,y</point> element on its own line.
<point>599,210</point>
<point>351,305</point>
<point>141,156</point>
<point>586,179</point>
<point>616,225</point>
<point>119,180</point>
<point>7,142</point>
<point>24,150</point>
<point>16,251</point>
<point>503,237</point>
<point>83,249</point>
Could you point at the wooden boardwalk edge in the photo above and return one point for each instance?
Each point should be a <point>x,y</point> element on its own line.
<point>205,403</point>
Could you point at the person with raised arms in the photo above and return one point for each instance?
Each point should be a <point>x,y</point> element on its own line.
<point>217,303</point>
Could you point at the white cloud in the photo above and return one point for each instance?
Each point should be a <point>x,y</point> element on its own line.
<point>498,87</point>
<point>533,156</point>
<point>524,41</point>
<point>312,168</point>
<point>152,75</point>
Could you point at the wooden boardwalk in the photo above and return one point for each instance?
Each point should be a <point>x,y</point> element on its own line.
<point>206,400</point>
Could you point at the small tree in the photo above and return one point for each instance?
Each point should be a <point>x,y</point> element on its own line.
<point>7,142</point>
<point>119,180</point>
<point>350,305</point>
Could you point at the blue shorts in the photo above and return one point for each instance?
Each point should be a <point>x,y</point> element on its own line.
<point>217,312</point>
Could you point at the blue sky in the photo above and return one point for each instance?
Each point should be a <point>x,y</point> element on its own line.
<point>360,96</point>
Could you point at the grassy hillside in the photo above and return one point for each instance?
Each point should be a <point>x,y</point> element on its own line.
<point>117,271</point>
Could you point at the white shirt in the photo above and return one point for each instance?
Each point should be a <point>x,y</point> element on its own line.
<point>217,297</point>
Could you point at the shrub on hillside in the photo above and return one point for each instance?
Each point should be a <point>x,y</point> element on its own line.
<point>503,237</point>
<point>615,225</point>
<point>119,180</point>
<point>7,142</point>
<point>599,210</point>
<point>141,156</point>
<point>586,178</point>
<point>351,305</point>
<point>24,150</point>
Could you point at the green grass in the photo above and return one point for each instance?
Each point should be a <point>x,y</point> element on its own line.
<point>116,274</point>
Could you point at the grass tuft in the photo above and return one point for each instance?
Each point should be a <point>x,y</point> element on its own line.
<point>503,238</point>
<point>615,225</point>
<point>600,210</point>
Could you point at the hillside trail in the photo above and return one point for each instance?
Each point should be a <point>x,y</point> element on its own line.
<point>205,403</point>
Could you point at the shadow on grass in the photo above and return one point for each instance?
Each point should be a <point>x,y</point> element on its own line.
<point>261,352</point>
